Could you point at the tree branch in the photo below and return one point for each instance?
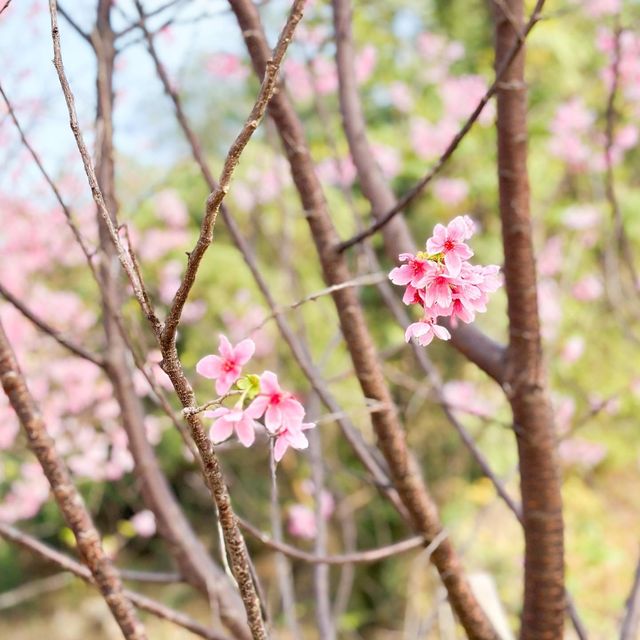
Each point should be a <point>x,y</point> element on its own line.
<point>67,496</point>
<point>416,190</point>
<point>142,602</point>
<point>525,380</point>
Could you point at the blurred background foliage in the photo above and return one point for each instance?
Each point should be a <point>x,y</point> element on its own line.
<point>591,341</point>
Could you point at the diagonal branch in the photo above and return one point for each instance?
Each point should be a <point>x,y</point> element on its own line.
<point>215,199</point>
<point>67,496</point>
<point>142,602</point>
<point>417,189</point>
<point>70,345</point>
<point>404,470</point>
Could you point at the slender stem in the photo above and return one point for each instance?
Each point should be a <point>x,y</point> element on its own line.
<point>283,570</point>
<point>67,496</point>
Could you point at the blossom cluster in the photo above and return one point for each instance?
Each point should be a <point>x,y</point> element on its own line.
<point>283,414</point>
<point>442,281</point>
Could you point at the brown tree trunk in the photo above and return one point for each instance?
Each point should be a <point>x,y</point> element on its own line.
<point>525,378</point>
<point>390,433</point>
<point>191,557</point>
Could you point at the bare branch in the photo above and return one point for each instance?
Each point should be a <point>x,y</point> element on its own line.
<point>631,622</point>
<point>49,330</point>
<point>417,189</point>
<point>142,602</point>
<point>137,284</point>
<point>67,496</point>
<point>357,557</point>
<point>233,157</point>
<point>75,25</point>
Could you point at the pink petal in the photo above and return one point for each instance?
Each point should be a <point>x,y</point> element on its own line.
<point>244,350</point>
<point>453,262</point>
<point>292,412</point>
<point>245,432</point>
<point>216,413</point>
<point>280,448</point>
<point>273,418</point>
<point>441,332</point>
<point>224,348</point>
<point>257,407</point>
<point>209,366</point>
<point>269,383</point>
<point>297,439</point>
<point>225,382</point>
<point>220,430</point>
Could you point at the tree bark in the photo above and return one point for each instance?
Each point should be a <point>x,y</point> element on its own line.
<point>525,378</point>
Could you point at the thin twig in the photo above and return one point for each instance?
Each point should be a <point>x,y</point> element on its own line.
<point>137,284</point>
<point>631,623</point>
<point>66,494</point>
<point>142,602</point>
<point>215,199</point>
<point>49,330</point>
<point>360,281</point>
<point>357,557</point>
<point>283,570</point>
<point>417,189</point>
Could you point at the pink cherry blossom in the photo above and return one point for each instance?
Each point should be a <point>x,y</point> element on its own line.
<point>144,523</point>
<point>588,288</point>
<point>425,331</point>
<point>413,273</point>
<point>301,522</point>
<point>226,421</point>
<point>450,191</point>
<point>280,407</point>
<point>291,435</point>
<point>226,368</point>
<point>449,240</point>
<point>438,284</point>
<point>226,65</point>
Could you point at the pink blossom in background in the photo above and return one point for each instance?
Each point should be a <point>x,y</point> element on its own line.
<point>226,65</point>
<point>550,259</point>
<point>342,172</point>
<point>572,349</point>
<point>401,97</point>
<point>301,522</point>
<point>431,140</point>
<point>226,421</point>
<point>388,159</point>
<point>577,451</point>
<point>450,191</point>
<point>279,407</point>
<point>464,396</point>
<point>588,288</point>
<point>570,129</point>
<point>171,208</point>
<point>600,8</point>
<point>241,324</point>
<point>298,80</point>
<point>9,426</point>
<point>226,368</point>
<point>301,519</point>
<point>581,217</point>
<point>157,243</point>
<point>365,63</point>
<point>549,307</point>
<point>144,523</point>
<point>461,94</point>
<point>325,78</point>
<point>26,496</point>
<point>564,411</point>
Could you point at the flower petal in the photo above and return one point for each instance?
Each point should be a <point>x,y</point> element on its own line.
<point>244,350</point>
<point>280,448</point>
<point>224,348</point>
<point>245,432</point>
<point>269,383</point>
<point>220,430</point>
<point>209,366</point>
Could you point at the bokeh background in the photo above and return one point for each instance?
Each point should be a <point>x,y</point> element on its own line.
<point>421,68</point>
